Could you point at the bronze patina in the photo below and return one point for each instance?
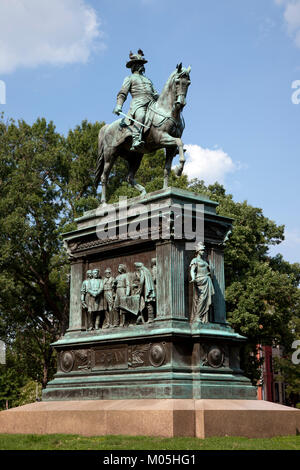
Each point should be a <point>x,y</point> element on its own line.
<point>154,122</point>
<point>147,314</point>
<point>203,286</point>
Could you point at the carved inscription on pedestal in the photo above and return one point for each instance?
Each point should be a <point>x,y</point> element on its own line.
<point>113,357</point>
<point>110,358</point>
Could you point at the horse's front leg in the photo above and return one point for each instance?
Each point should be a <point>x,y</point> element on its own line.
<point>169,141</point>
<point>103,192</point>
<point>134,163</point>
<point>170,153</point>
<point>179,169</point>
<point>104,178</point>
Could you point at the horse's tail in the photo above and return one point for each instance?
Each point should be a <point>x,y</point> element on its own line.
<point>100,158</point>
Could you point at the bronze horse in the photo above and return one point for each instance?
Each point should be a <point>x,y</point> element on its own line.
<point>164,129</point>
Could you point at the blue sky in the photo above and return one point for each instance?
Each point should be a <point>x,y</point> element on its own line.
<point>65,60</point>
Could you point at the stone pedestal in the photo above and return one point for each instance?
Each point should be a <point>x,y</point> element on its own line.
<point>169,357</point>
<point>166,418</point>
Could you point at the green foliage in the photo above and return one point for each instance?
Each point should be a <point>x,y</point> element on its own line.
<point>29,393</point>
<point>80,161</point>
<point>12,379</point>
<point>287,371</point>
<point>289,374</point>
<point>46,181</point>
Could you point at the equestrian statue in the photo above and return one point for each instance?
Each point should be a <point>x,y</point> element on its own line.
<point>153,122</point>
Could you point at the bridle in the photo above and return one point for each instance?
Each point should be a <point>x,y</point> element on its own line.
<point>165,118</point>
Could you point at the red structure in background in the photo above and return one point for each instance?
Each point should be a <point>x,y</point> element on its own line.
<point>268,387</point>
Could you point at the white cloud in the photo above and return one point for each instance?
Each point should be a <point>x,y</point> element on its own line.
<point>292,18</point>
<point>34,32</point>
<point>210,165</point>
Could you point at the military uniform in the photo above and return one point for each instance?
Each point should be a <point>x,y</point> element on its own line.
<point>142,92</point>
<point>122,286</point>
<point>146,291</point>
<point>108,301</point>
<point>94,299</point>
<point>85,298</point>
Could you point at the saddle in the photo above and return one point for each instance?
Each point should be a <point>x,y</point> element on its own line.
<point>149,119</point>
<point>154,118</point>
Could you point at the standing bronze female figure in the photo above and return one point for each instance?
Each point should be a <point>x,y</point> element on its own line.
<point>203,286</point>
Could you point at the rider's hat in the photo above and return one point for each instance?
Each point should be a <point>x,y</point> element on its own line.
<point>136,58</point>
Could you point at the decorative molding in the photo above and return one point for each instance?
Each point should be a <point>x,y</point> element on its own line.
<point>157,354</point>
<point>83,358</point>
<point>67,359</point>
<point>136,354</point>
<point>113,357</point>
<point>213,356</point>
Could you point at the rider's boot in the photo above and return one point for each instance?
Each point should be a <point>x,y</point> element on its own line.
<point>137,142</point>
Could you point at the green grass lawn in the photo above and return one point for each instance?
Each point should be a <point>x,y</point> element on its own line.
<point>70,442</point>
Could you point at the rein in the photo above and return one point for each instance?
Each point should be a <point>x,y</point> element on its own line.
<point>166,118</point>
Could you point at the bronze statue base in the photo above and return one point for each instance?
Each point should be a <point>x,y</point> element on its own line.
<point>162,359</point>
<point>158,348</point>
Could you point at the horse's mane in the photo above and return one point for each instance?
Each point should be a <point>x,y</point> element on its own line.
<point>169,82</point>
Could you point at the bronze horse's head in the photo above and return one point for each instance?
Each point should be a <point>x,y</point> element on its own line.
<point>182,81</point>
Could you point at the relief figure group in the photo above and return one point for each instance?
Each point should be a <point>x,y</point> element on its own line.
<point>125,300</point>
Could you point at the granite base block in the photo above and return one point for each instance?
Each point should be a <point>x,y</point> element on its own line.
<point>166,418</point>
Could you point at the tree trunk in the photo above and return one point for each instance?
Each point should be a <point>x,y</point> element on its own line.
<point>45,375</point>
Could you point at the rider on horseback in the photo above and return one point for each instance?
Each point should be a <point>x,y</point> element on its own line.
<point>142,92</point>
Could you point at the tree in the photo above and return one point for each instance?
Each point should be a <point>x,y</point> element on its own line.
<point>289,374</point>
<point>12,379</point>
<point>46,181</point>
<point>285,367</point>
